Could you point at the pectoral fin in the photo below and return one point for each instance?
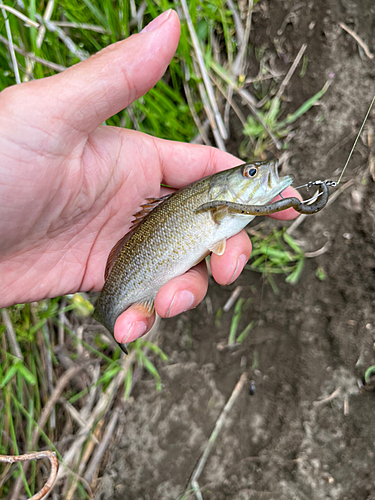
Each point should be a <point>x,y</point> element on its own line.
<point>219,247</point>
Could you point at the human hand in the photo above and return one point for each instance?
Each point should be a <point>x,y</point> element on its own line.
<point>70,186</point>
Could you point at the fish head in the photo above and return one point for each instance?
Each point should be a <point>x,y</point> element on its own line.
<point>255,183</point>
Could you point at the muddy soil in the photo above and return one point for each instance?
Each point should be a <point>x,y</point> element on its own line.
<point>312,339</point>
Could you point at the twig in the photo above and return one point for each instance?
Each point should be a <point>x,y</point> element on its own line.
<point>83,461</point>
<point>249,99</point>
<point>86,410</point>
<point>198,138</point>
<point>102,447</point>
<point>30,55</point>
<point>47,347</point>
<point>60,386</point>
<point>202,90</point>
<point>358,40</point>
<point>62,318</point>
<point>79,334</point>
<point>11,46</point>
<point>51,455</point>
<point>320,251</point>
<point>232,299</point>
<point>206,80</point>
<point>138,18</point>
<point>338,145</point>
<point>328,398</point>
<point>228,105</point>
<point>67,41</point>
<point>218,426</point>
<point>229,101</point>
<point>133,118</point>
<point>4,475</point>
<point>238,63</point>
<point>46,17</point>
<point>104,403</point>
<point>237,22</point>
<point>88,27</point>
<point>287,79</point>
<point>196,118</point>
<point>75,416</point>
<point>21,16</point>
<point>11,334</point>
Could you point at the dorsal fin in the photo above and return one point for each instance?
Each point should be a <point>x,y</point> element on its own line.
<point>138,218</point>
<point>147,208</point>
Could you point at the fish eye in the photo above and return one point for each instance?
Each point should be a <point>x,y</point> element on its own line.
<point>250,171</point>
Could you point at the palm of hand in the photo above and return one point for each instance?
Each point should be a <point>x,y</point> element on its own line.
<point>69,187</point>
<point>71,206</point>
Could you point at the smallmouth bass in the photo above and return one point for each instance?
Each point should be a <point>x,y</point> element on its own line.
<point>170,235</point>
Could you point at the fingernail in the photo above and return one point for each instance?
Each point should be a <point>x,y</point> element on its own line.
<point>181,302</point>
<point>158,21</point>
<point>137,329</point>
<point>241,261</point>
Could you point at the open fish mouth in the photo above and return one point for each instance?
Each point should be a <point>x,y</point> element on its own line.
<point>273,185</point>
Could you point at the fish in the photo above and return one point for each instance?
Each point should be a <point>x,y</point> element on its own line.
<point>173,233</point>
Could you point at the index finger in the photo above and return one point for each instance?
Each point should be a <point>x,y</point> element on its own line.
<point>183,163</point>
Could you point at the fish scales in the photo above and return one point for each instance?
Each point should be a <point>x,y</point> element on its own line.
<point>174,236</point>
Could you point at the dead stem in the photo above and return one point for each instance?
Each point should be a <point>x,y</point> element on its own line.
<point>95,461</point>
<point>202,67</point>
<point>232,298</point>
<point>207,108</point>
<point>238,64</point>
<point>287,79</point>
<point>44,62</point>
<point>39,40</point>
<point>88,27</point>
<point>60,386</point>
<point>51,455</point>
<point>66,40</point>
<point>11,46</point>
<point>335,393</point>
<point>218,426</point>
<point>21,16</point>
<point>196,118</point>
<point>11,334</point>
<point>360,42</point>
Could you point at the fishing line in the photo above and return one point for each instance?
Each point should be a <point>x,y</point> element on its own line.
<point>336,183</point>
<point>356,140</point>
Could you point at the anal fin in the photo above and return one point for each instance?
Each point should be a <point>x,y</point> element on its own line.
<point>146,307</point>
<point>219,247</point>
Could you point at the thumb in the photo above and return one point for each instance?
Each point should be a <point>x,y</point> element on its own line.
<point>94,90</point>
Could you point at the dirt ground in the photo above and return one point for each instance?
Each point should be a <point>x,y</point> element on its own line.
<point>312,339</point>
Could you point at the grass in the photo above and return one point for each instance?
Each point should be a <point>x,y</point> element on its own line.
<point>276,253</point>
<point>53,336</point>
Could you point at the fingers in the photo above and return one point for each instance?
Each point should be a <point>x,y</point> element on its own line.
<point>183,163</point>
<point>290,213</point>
<point>227,267</point>
<point>132,324</point>
<point>182,293</point>
<point>177,296</point>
